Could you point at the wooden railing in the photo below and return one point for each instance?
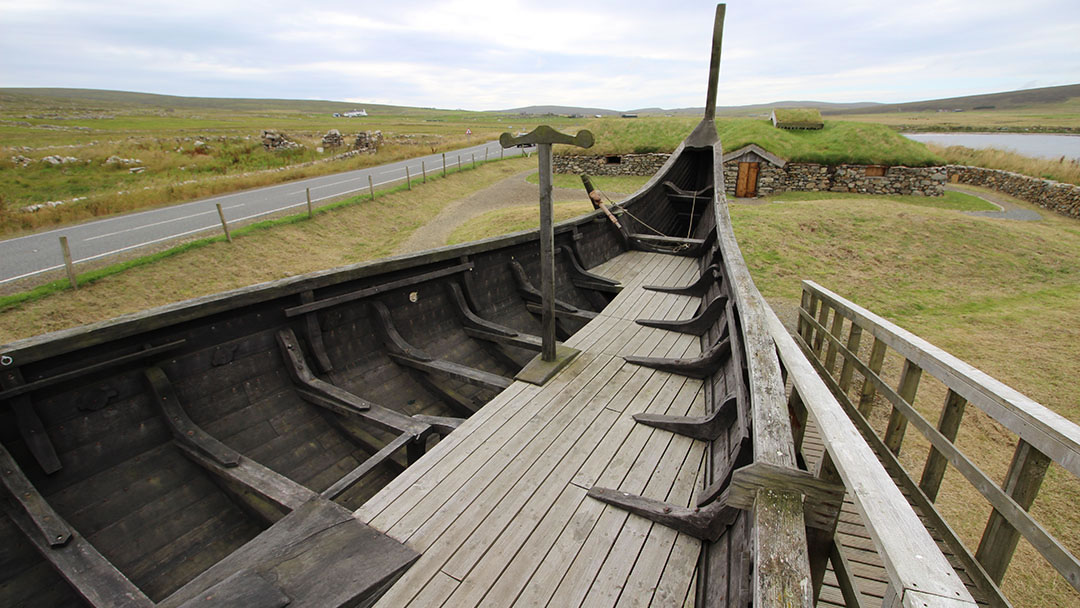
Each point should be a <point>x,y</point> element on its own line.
<point>919,576</point>
<point>830,326</point>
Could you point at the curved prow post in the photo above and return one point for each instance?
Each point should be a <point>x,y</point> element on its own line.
<point>705,133</point>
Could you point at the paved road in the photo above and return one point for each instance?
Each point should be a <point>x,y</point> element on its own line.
<point>30,255</point>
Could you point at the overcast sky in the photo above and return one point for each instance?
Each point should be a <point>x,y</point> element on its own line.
<point>496,54</point>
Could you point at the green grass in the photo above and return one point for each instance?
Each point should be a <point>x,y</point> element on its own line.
<point>512,219</point>
<point>798,116</point>
<point>957,201</point>
<point>839,142</point>
<point>624,184</point>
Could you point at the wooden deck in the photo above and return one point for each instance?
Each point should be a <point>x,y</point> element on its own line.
<point>866,564</point>
<point>499,508</point>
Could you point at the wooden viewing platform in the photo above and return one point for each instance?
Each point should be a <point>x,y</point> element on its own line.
<point>499,508</point>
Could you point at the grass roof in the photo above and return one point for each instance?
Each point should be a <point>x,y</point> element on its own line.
<point>839,142</point>
<point>798,117</point>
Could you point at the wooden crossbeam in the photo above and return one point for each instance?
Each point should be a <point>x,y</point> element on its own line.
<point>705,428</point>
<point>29,423</point>
<point>183,428</point>
<point>370,464</point>
<point>50,528</point>
<point>709,276</point>
<point>92,576</point>
<point>696,325</point>
<point>694,367</point>
<point>94,368</point>
<point>367,292</point>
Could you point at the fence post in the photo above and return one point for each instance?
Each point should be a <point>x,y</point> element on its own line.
<point>500,153</point>
<point>459,162</point>
<point>310,214</point>
<point>444,164</point>
<point>485,155</point>
<point>224,224</point>
<point>423,169</point>
<point>909,385</point>
<point>474,161</point>
<point>408,180</point>
<point>1022,485</point>
<point>371,187</point>
<point>68,263</point>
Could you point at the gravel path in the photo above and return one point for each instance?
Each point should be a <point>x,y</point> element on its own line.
<point>1009,211</point>
<point>513,191</point>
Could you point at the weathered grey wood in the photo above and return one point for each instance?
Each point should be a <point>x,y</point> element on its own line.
<point>821,498</point>
<point>810,305</point>
<point>224,224</point>
<point>28,387</point>
<point>896,530</point>
<point>909,385</point>
<point>520,340</point>
<point>674,245</point>
<point>948,425</point>
<point>819,335</point>
<point>183,428</point>
<point>92,576</point>
<point>705,428</point>
<point>854,338</point>
<point>696,325</point>
<point>845,579</point>
<point>709,277</point>
<point>314,335</point>
<point>367,292</point>
<point>52,529</point>
<point>1022,484</point>
<point>250,476</point>
<point>244,588</point>
<point>547,251</point>
<point>33,432</point>
<point>705,133</point>
<point>352,477</point>
<point>697,367</point>
<point>836,330</point>
<point>318,555</point>
<point>337,399</point>
<point>68,265</point>
<point>877,359</point>
<point>576,314</point>
<point>742,456</point>
<point>533,296</point>
<point>1058,556</point>
<point>1044,429</point>
<point>706,523</point>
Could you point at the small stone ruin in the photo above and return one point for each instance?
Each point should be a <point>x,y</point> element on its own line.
<point>272,140</point>
<point>368,142</point>
<point>333,139</point>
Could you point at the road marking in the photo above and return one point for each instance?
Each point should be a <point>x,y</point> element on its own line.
<point>175,219</point>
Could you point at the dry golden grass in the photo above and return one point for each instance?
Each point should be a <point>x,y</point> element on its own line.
<point>1062,170</point>
<point>361,232</point>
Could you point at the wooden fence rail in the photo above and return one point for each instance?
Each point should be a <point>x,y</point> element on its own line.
<point>1042,435</point>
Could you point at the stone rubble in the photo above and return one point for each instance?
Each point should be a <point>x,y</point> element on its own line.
<point>368,142</point>
<point>333,139</point>
<point>272,140</point>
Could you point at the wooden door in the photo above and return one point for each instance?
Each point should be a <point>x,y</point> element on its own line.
<point>746,184</point>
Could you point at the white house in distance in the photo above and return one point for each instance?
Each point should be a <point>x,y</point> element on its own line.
<point>352,114</point>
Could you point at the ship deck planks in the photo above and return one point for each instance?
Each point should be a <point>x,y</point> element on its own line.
<point>499,508</point>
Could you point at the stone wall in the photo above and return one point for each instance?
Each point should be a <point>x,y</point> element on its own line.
<point>1055,196</point>
<point>616,164</point>
<point>925,181</point>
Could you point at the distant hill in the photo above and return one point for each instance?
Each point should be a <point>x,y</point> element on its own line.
<point>560,110</point>
<point>991,101</point>
<point>97,99</point>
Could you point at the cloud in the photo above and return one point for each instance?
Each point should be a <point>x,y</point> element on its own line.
<point>491,54</point>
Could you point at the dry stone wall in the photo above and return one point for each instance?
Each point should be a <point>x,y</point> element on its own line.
<point>812,177</point>
<point>1048,194</point>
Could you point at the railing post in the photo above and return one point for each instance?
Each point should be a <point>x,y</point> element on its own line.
<point>1022,484</point>
<point>853,346</point>
<point>949,423</point>
<point>801,326</point>
<point>909,385</point>
<point>877,358</point>
<point>819,336</point>
<point>837,330</point>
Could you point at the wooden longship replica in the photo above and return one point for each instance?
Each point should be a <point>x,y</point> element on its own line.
<point>358,437</point>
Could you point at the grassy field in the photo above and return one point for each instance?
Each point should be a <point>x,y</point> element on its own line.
<point>625,184</point>
<point>160,133</point>
<point>1057,117</point>
<point>1002,295</point>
